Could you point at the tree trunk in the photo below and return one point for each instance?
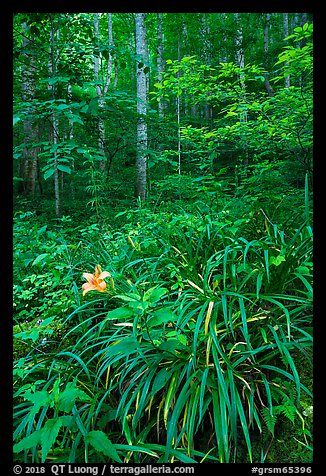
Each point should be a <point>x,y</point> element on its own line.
<point>286,34</point>
<point>54,128</point>
<point>160,58</point>
<point>71,137</point>
<point>223,57</point>
<point>207,59</point>
<point>100,89</point>
<point>268,86</point>
<point>141,158</point>
<point>239,53</point>
<point>28,94</point>
<point>178,111</point>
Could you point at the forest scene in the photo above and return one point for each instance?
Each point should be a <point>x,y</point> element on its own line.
<point>162,237</point>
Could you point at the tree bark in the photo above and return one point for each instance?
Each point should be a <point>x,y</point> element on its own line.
<point>223,57</point>
<point>71,137</point>
<point>28,94</point>
<point>54,128</point>
<point>100,89</point>
<point>286,34</point>
<point>160,58</point>
<point>239,53</point>
<point>141,158</point>
<point>268,86</point>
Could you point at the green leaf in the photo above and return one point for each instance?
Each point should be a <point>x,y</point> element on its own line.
<point>171,345</point>
<point>120,313</point>
<point>303,270</point>
<point>244,425</point>
<point>28,442</point>
<point>68,397</point>
<point>269,418</point>
<point>49,434</point>
<point>160,381</point>
<point>61,107</point>
<point>126,346</point>
<point>40,258</point>
<point>101,443</point>
<point>49,173</point>
<point>40,398</point>
<point>276,260</point>
<point>77,119</point>
<point>128,297</point>
<point>154,294</point>
<point>160,316</point>
<point>64,168</point>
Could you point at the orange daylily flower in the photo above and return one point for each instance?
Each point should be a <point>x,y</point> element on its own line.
<point>95,282</point>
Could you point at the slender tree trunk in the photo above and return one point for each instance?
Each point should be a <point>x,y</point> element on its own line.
<point>116,74</point>
<point>286,34</point>
<point>239,52</point>
<point>101,129</point>
<point>178,113</point>
<point>71,137</point>
<point>141,158</point>
<point>223,52</point>
<point>30,152</point>
<point>241,63</point>
<point>207,48</point>
<point>110,58</point>
<point>268,86</point>
<point>54,128</point>
<point>160,58</point>
<point>100,89</point>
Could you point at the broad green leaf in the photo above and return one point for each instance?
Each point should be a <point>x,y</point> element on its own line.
<point>39,399</point>
<point>64,168</point>
<point>276,260</point>
<point>61,107</point>
<point>303,270</point>
<point>171,345</point>
<point>49,173</point>
<point>49,435</point>
<point>101,443</point>
<point>28,442</point>
<point>160,316</point>
<point>128,297</point>
<point>120,313</point>
<point>154,294</point>
<point>68,397</point>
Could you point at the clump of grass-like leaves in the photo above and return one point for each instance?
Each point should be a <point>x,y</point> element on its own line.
<point>185,355</point>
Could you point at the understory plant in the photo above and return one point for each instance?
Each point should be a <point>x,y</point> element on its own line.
<point>183,348</point>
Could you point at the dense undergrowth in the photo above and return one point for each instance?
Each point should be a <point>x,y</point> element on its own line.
<point>198,349</point>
